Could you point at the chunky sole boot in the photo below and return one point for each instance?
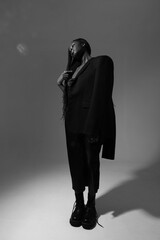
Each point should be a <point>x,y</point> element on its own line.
<point>90,218</point>
<point>77,215</point>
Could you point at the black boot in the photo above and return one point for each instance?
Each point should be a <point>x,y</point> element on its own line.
<point>90,216</point>
<point>78,211</point>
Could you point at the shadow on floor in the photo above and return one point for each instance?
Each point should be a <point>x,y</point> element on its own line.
<point>142,192</point>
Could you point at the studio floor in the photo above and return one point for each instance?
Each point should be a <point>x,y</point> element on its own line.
<point>127,204</point>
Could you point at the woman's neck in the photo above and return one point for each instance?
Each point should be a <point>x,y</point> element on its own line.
<point>85,58</point>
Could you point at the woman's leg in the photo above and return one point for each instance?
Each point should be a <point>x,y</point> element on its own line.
<point>76,158</point>
<point>77,161</point>
<point>93,163</point>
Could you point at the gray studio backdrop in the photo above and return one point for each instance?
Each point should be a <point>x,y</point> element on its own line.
<point>34,36</point>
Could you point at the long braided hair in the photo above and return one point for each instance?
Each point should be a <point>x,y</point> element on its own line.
<point>72,64</point>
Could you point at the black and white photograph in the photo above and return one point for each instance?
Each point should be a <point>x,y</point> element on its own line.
<point>79,119</point>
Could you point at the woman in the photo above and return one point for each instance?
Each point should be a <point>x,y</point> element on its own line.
<point>89,117</point>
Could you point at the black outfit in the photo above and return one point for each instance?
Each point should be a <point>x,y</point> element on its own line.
<point>83,161</point>
<point>90,113</point>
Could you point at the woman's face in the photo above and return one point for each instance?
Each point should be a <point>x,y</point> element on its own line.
<point>74,48</point>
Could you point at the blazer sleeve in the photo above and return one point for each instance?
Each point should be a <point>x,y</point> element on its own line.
<point>101,95</point>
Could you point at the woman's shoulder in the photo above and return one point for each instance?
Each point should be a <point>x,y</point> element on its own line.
<point>102,59</point>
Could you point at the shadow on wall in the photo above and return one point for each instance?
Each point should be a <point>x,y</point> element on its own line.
<point>142,193</point>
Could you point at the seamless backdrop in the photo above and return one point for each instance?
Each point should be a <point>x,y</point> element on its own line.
<point>34,36</point>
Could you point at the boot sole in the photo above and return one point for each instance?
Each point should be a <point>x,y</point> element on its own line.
<point>89,227</point>
<point>75,223</point>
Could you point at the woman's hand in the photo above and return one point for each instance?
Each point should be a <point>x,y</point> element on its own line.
<point>63,78</point>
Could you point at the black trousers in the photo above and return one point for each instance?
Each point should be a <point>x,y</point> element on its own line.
<point>84,162</point>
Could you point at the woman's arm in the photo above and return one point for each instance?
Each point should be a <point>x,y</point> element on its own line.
<point>62,79</point>
<point>101,95</point>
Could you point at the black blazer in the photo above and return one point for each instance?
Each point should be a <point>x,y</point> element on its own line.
<point>90,106</point>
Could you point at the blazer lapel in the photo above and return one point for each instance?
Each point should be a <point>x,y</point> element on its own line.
<point>83,68</point>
